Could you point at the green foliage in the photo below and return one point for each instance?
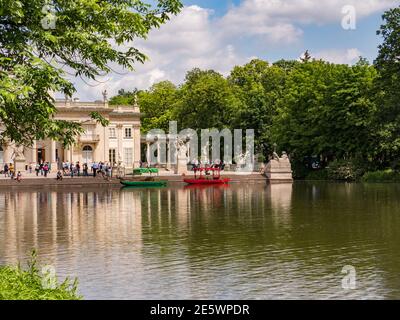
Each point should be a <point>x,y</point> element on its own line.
<point>124,98</point>
<point>321,174</point>
<point>258,85</point>
<point>19,284</point>
<point>206,100</point>
<point>388,175</point>
<point>33,58</point>
<point>322,106</point>
<point>387,121</point>
<point>157,105</point>
<point>344,170</point>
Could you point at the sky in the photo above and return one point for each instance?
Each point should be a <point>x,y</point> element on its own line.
<point>219,34</point>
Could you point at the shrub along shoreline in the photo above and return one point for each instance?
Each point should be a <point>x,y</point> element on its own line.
<point>381,176</point>
<point>17,283</point>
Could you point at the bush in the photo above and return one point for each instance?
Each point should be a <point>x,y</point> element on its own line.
<point>19,284</point>
<point>388,175</point>
<point>344,170</point>
<point>318,175</point>
<point>300,171</point>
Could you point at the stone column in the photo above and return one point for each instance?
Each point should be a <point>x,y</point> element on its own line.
<point>106,144</point>
<point>34,153</point>
<point>53,160</point>
<point>148,153</point>
<point>119,152</point>
<point>7,153</point>
<point>71,153</point>
<point>136,147</point>
<point>169,155</point>
<point>158,153</point>
<point>66,154</point>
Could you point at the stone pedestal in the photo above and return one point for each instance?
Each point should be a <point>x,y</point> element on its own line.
<point>19,165</point>
<point>279,169</point>
<point>181,166</point>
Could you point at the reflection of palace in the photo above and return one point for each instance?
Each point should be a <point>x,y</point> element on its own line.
<point>71,220</point>
<point>53,221</point>
<point>120,141</point>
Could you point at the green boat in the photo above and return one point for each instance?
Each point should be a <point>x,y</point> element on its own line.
<point>133,183</point>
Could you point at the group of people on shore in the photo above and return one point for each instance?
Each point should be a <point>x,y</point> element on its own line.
<point>217,164</point>
<point>77,169</point>
<point>9,172</point>
<point>96,169</point>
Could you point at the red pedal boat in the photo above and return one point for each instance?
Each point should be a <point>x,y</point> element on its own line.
<point>207,176</point>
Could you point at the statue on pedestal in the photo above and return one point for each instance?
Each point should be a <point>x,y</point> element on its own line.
<point>19,158</point>
<point>181,151</point>
<point>19,153</point>
<point>279,168</point>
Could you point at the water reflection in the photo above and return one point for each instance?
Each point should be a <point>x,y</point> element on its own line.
<point>251,241</point>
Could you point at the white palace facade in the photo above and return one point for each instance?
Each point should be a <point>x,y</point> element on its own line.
<point>119,141</point>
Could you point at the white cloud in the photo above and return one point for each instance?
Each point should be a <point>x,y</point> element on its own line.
<point>345,56</point>
<point>196,38</point>
<point>281,20</point>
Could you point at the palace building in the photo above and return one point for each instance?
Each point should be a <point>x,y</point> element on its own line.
<point>119,142</point>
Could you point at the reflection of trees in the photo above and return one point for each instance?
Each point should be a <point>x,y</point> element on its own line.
<point>306,229</point>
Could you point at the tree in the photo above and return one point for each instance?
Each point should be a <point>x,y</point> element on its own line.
<point>327,110</point>
<point>257,85</point>
<point>157,105</point>
<point>387,125</point>
<point>205,101</point>
<point>84,37</point>
<point>306,57</point>
<point>124,98</point>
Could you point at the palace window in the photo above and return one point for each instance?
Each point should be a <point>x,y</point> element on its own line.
<point>112,157</point>
<point>87,154</point>
<point>128,156</point>
<point>128,133</point>
<point>113,133</point>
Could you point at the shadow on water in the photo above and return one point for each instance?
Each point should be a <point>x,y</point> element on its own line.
<point>239,241</point>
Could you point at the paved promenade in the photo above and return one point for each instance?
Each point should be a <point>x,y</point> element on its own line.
<point>30,179</point>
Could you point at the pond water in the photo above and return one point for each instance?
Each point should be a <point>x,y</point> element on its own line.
<point>279,241</point>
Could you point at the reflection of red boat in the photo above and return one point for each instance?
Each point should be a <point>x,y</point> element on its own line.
<point>206,186</point>
<point>207,176</point>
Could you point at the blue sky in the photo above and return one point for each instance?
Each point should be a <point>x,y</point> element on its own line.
<point>219,34</point>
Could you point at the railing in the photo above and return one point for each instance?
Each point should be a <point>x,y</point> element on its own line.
<point>89,138</point>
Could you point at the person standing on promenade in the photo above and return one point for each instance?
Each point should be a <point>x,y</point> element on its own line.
<point>6,168</point>
<point>37,169</point>
<point>71,169</point>
<point>78,169</point>
<point>30,167</point>
<point>19,176</point>
<point>41,168</point>
<point>94,169</point>
<point>11,170</point>
<point>85,170</point>
<point>45,169</point>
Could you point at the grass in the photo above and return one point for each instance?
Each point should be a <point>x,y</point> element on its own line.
<point>17,283</point>
<point>382,176</point>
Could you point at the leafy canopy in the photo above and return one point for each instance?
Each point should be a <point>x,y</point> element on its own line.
<point>88,36</point>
